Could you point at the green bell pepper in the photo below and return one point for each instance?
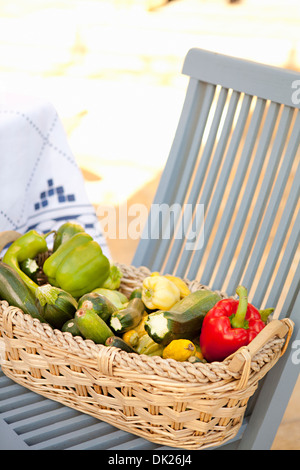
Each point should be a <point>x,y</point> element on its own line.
<point>27,246</point>
<point>65,232</point>
<point>78,266</point>
<point>54,305</point>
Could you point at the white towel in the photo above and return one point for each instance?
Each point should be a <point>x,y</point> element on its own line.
<point>41,186</point>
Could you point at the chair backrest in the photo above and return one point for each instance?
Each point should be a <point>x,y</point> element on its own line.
<point>225,209</point>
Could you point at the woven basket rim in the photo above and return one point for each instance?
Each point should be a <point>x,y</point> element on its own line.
<point>109,359</point>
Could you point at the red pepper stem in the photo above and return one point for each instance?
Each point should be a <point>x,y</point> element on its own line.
<point>238,320</point>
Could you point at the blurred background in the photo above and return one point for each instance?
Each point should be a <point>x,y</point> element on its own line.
<point>112,69</point>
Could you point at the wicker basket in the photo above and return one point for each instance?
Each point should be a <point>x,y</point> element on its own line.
<point>182,405</point>
<point>177,404</point>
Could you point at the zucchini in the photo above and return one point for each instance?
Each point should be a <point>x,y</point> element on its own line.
<point>57,307</point>
<point>101,304</point>
<point>195,360</point>
<point>117,298</point>
<point>137,293</point>
<point>128,317</point>
<point>184,320</point>
<point>119,343</point>
<point>14,290</point>
<point>149,347</point>
<point>91,326</point>
<point>71,327</point>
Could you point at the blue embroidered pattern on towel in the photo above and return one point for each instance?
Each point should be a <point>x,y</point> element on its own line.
<point>51,191</point>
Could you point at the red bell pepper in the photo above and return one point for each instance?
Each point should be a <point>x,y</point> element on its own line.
<point>229,325</point>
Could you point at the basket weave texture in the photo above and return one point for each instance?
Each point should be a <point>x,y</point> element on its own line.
<point>181,405</point>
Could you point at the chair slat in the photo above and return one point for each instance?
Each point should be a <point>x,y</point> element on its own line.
<point>274,252</point>
<point>288,308</point>
<point>248,195</point>
<point>273,204</point>
<point>146,250</point>
<point>218,195</point>
<point>180,188</point>
<point>285,265</point>
<point>234,192</point>
<point>201,170</point>
<point>211,177</point>
<point>192,156</point>
<point>257,213</point>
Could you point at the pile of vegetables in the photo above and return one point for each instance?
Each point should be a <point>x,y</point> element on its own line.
<point>81,296</point>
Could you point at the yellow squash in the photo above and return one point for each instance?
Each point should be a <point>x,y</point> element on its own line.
<point>180,350</point>
<point>131,337</point>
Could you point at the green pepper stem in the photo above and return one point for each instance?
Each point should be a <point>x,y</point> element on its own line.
<point>264,314</point>
<point>45,235</point>
<point>238,320</point>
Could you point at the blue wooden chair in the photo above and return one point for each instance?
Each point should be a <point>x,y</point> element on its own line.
<point>234,162</point>
<point>225,213</point>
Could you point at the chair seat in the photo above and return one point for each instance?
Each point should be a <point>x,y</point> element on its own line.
<point>30,421</point>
